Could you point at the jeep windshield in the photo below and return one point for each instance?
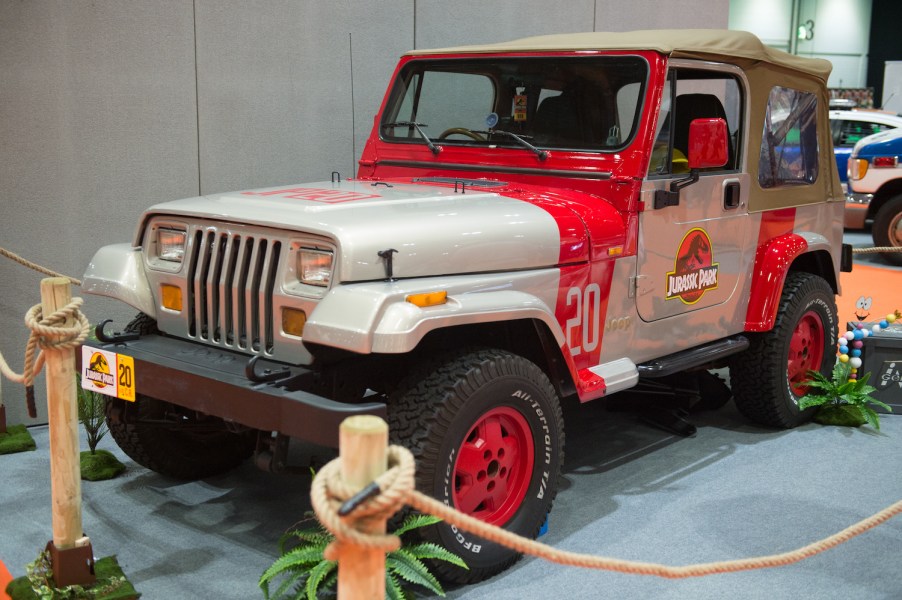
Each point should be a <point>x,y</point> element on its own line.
<point>589,103</point>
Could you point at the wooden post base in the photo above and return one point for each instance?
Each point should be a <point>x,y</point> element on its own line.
<point>72,566</point>
<point>2,418</point>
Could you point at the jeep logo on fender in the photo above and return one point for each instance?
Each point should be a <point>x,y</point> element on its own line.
<point>694,270</point>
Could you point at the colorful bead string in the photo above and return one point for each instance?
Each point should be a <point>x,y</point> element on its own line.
<point>851,342</point>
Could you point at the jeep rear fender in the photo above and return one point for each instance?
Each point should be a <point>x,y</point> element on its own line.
<point>377,318</point>
<point>773,261</point>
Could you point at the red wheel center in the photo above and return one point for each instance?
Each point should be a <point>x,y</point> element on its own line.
<point>806,351</point>
<point>494,466</point>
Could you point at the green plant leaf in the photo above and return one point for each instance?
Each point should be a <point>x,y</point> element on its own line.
<point>393,590</point>
<point>882,405</point>
<point>409,568</point>
<point>318,575</point>
<point>415,521</point>
<point>296,559</point>
<point>428,550</point>
<point>810,400</point>
<point>872,417</point>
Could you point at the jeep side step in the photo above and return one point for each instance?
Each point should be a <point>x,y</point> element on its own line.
<point>694,357</point>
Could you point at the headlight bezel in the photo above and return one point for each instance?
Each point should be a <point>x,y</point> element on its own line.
<point>311,285</point>
<point>161,254</point>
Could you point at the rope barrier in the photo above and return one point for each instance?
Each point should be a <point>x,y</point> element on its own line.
<point>877,250</point>
<point>46,332</point>
<point>27,263</point>
<point>397,488</point>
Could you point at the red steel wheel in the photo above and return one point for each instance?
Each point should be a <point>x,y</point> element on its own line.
<point>494,466</point>
<point>806,351</point>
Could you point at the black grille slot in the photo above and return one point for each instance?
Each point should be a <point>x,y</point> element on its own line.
<point>232,282</point>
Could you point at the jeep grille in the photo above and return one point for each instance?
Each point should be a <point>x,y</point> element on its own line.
<point>230,289</point>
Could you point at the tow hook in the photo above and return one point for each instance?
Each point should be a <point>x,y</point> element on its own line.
<point>114,338</point>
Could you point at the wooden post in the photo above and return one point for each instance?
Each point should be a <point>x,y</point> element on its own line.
<point>65,470</point>
<point>363,452</point>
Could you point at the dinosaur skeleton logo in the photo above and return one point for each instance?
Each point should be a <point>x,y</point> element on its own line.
<point>694,270</point>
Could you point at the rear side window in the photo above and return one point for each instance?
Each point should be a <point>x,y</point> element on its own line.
<point>789,142</point>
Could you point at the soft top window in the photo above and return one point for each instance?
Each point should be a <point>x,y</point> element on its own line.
<point>578,103</point>
<point>789,141</point>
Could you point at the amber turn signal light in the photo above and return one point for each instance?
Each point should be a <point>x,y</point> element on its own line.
<point>172,297</point>
<point>428,299</point>
<point>293,321</point>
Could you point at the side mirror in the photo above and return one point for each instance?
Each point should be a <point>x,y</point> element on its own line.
<point>707,148</point>
<point>708,143</point>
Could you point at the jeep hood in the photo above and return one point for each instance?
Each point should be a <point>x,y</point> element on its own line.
<point>434,229</point>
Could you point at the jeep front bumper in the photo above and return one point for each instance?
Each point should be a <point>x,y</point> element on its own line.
<point>213,381</point>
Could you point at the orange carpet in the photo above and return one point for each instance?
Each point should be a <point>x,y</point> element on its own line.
<point>869,294</point>
<point>5,578</point>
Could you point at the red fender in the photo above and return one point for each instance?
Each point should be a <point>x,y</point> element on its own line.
<point>772,261</point>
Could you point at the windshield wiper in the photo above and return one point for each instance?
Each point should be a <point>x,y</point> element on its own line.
<point>429,143</point>
<point>542,154</point>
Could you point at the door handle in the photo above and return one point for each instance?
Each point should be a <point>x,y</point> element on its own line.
<point>732,195</point>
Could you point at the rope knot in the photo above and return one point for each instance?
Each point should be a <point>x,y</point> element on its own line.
<point>331,497</point>
<point>47,333</point>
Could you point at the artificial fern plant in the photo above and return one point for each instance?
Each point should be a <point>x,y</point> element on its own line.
<point>842,401</point>
<point>305,573</point>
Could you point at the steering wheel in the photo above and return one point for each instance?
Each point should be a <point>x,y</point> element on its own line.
<point>461,131</point>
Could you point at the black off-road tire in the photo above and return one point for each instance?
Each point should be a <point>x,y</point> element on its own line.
<point>499,403</point>
<point>886,228</point>
<point>768,378</point>
<point>173,449</point>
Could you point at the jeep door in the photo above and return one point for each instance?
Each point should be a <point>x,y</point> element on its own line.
<point>692,247</point>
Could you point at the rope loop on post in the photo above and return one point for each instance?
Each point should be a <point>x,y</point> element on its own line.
<point>47,333</point>
<point>328,492</point>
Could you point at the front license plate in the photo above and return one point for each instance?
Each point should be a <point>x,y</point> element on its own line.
<point>108,373</point>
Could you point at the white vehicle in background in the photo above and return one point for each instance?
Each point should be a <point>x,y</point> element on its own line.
<point>849,127</point>
<point>875,188</point>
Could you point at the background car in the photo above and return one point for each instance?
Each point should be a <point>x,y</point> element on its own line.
<point>848,127</point>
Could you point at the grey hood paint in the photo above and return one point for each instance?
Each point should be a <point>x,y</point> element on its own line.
<point>434,230</point>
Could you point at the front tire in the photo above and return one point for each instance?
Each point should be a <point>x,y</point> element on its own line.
<point>171,440</point>
<point>486,430</point>
<point>769,378</point>
<point>887,229</point>
<point>174,441</point>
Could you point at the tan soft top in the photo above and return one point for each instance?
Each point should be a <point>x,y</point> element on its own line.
<point>717,44</point>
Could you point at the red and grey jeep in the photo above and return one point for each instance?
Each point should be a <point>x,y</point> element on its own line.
<point>558,216</point>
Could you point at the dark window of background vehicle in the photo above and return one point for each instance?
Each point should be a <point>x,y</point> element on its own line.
<point>846,132</point>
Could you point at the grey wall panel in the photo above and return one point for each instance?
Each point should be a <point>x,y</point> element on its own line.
<point>274,84</point>
<point>97,120</point>
<point>616,15</point>
<point>442,23</point>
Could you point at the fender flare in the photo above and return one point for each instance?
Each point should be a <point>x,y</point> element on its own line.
<point>117,271</point>
<point>387,323</point>
<point>772,262</point>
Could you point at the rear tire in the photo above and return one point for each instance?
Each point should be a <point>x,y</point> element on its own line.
<point>887,229</point>
<point>769,378</point>
<point>486,430</point>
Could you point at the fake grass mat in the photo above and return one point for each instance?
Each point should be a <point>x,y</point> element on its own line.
<point>99,466</point>
<point>111,585</point>
<point>16,439</point>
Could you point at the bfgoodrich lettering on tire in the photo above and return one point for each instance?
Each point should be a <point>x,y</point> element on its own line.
<point>769,378</point>
<point>486,430</point>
